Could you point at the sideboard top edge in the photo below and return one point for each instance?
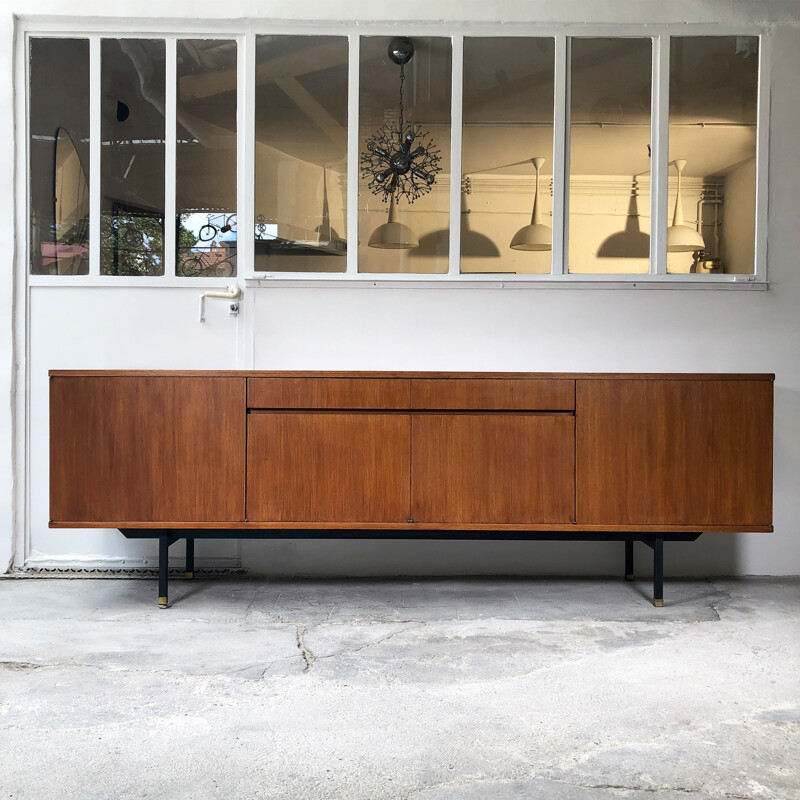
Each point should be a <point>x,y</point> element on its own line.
<point>142,373</point>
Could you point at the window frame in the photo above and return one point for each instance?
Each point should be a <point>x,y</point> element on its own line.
<point>244,34</point>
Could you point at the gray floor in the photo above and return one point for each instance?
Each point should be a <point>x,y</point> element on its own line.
<point>427,690</point>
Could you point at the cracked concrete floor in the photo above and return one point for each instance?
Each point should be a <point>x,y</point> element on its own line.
<point>477,689</point>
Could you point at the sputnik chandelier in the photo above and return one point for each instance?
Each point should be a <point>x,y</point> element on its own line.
<point>391,166</point>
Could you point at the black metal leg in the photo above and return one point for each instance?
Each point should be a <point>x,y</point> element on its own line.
<point>658,572</point>
<point>189,557</point>
<point>629,559</point>
<point>163,568</point>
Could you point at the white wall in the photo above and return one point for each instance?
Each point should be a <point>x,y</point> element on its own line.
<point>538,329</point>
<point>112,328</point>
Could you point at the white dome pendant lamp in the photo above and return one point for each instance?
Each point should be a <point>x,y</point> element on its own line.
<point>537,235</point>
<point>680,237</point>
<point>393,235</point>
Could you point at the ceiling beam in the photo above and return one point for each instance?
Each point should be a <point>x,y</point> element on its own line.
<point>309,105</point>
<point>291,65</point>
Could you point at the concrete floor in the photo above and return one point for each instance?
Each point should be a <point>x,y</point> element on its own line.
<point>477,689</point>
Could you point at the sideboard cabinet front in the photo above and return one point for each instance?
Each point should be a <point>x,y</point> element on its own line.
<point>493,468</point>
<point>674,452</point>
<point>147,449</point>
<point>328,466</point>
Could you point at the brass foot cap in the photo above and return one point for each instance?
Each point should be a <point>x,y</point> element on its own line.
<point>188,575</point>
<point>629,577</point>
<point>162,602</point>
<point>658,603</point>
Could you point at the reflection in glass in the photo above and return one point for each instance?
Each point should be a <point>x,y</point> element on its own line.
<point>609,200</point>
<point>71,208</point>
<point>132,157</point>
<point>399,232</point>
<point>59,156</point>
<point>205,170</point>
<point>508,130</point>
<point>301,154</point>
<point>712,149</point>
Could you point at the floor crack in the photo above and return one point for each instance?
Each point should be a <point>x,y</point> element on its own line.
<point>613,787</point>
<point>19,665</point>
<point>247,610</point>
<point>308,656</point>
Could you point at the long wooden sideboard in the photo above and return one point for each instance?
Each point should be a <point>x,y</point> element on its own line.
<point>648,458</point>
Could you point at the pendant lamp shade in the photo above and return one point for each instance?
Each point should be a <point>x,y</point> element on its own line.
<point>537,235</point>
<point>680,237</point>
<point>393,235</point>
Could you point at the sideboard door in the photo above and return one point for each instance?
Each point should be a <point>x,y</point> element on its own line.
<point>328,466</point>
<point>674,452</point>
<point>147,449</point>
<point>493,468</point>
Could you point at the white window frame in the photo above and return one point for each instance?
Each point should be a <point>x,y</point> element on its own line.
<point>244,34</point>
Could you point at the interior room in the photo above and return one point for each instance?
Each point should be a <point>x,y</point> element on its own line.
<point>466,467</point>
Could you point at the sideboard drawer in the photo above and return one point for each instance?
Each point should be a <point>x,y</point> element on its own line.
<point>493,394</point>
<point>344,393</point>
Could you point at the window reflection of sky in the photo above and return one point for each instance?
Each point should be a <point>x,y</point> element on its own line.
<point>194,222</point>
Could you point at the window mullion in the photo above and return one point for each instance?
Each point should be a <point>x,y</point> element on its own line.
<point>353,66</point>
<point>170,155</point>
<point>95,150</point>
<point>245,154</point>
<point>246,191</point>
<point>762,165</point>
<point>456,134</point>
<point>561,94</point>
<point>659,156</point>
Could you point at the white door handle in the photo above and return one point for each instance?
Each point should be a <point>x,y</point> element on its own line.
<point>232,293</point>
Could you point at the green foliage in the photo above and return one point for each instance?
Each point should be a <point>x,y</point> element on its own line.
<point>132,243</point>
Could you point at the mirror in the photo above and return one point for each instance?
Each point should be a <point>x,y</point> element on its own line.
<point>71,197</point>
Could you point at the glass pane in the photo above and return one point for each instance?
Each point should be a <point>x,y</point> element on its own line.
<point>609,200</point>
<point>506,220</point>
<point>404,147</point>
<point>301,154</point>
<point>205,170</point>
<point>59,156</point>
<point>132,157</point>
<point>712,141</point>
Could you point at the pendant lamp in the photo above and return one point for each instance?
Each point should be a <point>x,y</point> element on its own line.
<point>401,160</point>
<point>681,238</point>
<point>537,235</point>
<point>393,235</point>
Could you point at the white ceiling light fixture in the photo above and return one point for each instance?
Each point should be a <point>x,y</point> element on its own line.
<point>680,237</point>
<point>393,235</point>
<point>537,235</point>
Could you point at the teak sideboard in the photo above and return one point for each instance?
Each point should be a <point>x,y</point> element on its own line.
<point>647,458</point>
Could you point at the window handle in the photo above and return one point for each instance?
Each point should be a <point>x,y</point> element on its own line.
<point>232,293</point>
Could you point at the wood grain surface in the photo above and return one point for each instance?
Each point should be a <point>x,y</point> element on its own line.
<point>147,449</point>
<point>520,394</point>
<point>258,373</point>
<point>328,467</point>
<point>322,392</point>
<point>674,452</point>
<point>642,452</point>
<point>492,468</point>
<point>384,529</point>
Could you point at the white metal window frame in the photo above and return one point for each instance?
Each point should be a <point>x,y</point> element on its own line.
<point>244,35</point>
